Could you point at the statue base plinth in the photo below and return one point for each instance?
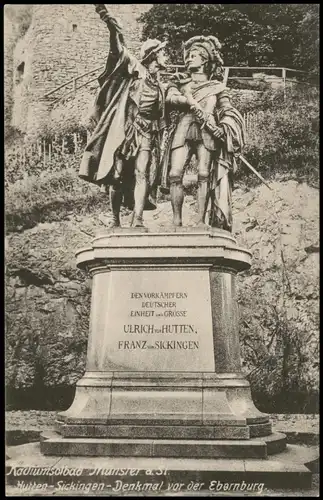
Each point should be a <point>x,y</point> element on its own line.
<point>163,371</point>
<point>54,444</point>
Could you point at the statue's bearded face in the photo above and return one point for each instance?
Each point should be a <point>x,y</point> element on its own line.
<point>195,59</point>
<point>161,58</point>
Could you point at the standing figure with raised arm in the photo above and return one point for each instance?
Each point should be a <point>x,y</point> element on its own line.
<point>212,129</point>
<point>129,121</point>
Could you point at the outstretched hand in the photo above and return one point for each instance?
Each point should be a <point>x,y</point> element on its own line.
<point>110,21</point>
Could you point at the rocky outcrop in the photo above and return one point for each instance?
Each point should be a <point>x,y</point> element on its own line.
<point>47,307</point>
<point>279,295</point>
<point>48,299</point>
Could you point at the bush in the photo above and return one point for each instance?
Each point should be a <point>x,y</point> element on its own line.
<point>72,114</point>
<point>22,163</point>
<point>278,296</point>
<point>251,34</point>
<point>273,99</point>
<point>49,197</point>
<point>280,349</point>
<point>284,139</point>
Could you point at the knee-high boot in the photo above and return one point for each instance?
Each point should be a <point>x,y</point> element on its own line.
<point>177,199</point>
<point>202,197</point>
<point>140,195</point>
<point>115,203</point>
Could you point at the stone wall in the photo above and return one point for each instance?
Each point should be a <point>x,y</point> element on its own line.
<point>62,42</point>
<point>23,87</point>
<point>10,39</point>
<point>16,21</point>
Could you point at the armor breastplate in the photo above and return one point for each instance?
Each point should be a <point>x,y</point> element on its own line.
<point>206,94</point>
<point>208,104</point>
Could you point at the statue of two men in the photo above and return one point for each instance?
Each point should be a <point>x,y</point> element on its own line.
<point>128,151</point>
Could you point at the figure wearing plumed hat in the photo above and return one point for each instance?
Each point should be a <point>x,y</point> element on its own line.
<point>209,49</point>
<point>212,129</point>
<point>129,118</point>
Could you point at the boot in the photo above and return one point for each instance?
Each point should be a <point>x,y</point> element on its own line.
<point>177,199</point>
<point>140,194</point>
<point>151,201</point>
<point>202,198</point>
<point>115,204</point>
<point>137,221</point>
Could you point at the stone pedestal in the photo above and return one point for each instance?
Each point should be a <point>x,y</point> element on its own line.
<point>163,375</point>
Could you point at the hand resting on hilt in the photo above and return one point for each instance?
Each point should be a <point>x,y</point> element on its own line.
<point>206,119</point>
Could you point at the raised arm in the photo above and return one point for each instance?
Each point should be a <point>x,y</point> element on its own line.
<point>116,35</point>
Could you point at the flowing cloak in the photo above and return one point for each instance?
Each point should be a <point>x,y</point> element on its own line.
<point>116,105</point>
<point>225,166</point>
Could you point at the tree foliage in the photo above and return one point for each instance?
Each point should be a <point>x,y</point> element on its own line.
<point>251,34</point>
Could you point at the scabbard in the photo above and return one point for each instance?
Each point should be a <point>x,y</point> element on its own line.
<point>165,160</point>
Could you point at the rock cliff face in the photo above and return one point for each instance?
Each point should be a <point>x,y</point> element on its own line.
<point>48,299</point>
<point>279,296</point>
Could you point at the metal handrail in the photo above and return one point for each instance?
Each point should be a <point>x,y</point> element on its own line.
<point>73,80</point>
<point>265,67</point>
<point>73,91</point>
<point>169,67</point>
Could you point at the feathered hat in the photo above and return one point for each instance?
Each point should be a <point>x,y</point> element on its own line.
<point>210,46</point>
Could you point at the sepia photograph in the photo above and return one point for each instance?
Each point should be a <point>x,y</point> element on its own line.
<point>161,171</point>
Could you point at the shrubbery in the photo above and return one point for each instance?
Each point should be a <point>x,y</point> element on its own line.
<point>49,197</point>
<point>278,296</point>
<point>23,161</point>
<point>285,139</point>
<point>19,168</point>
<point>280,348</point>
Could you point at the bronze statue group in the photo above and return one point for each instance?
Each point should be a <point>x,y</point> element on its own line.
<point>136,146</point>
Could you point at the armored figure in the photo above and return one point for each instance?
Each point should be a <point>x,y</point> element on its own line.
<point>212,129</point>
<point>129,119</point>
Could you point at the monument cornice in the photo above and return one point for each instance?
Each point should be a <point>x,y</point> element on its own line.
<point>190,249</point>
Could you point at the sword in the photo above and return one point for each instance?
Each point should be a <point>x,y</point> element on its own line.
<point>242,158</point>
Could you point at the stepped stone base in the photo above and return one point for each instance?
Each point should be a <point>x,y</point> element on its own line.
<point>158,414</point>
<point>54,444</point>
<point>204,475</point>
